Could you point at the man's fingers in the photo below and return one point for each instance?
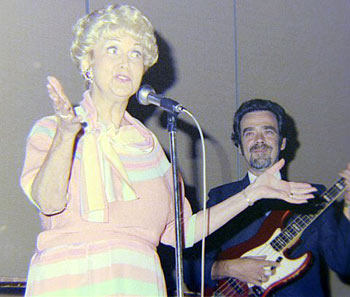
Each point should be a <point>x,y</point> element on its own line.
<point>269,264</point>
<point>255,257</point>
<point>346,174</point>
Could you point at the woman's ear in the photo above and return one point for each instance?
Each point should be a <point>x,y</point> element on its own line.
<point>85,65</point>
<point>87,62</point>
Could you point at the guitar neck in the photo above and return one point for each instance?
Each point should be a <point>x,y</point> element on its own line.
<point>293,231</point>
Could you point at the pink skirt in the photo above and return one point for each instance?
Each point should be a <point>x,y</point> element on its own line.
<point>96,269</point>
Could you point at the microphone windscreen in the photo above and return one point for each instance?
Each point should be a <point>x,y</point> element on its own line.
<point>142,94</point>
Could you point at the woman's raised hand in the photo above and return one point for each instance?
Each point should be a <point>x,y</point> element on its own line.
<point>268,186</point>
<point>67,119</point>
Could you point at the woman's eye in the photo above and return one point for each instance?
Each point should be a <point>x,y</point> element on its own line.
<point>269,132</point>
<point>112,50</point>
<point>136,54</point>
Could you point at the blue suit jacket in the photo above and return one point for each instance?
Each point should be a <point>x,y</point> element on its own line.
<point>328,238</point>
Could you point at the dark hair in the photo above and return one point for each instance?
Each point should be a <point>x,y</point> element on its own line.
<point>258,105</point>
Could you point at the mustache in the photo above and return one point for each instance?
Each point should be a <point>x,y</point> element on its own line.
<point>258,146</point>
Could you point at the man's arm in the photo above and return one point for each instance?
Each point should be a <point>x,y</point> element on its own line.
<point>247,269</point>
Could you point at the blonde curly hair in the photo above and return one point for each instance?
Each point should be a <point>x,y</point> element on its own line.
<point>105,22</point>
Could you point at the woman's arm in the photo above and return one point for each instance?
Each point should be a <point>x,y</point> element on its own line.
<point>49,189</point>
<point>265,186</point>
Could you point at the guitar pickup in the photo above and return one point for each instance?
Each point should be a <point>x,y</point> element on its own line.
<point>279,259</point>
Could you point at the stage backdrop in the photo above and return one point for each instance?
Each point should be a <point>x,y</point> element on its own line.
<point>213,56</point>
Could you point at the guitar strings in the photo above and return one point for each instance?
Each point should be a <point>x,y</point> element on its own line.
<point>232,285</point>
<point>302,222</point>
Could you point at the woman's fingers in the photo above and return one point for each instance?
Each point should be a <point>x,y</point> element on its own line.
<point>56,86</point>
<point>291,192</point>
<point>276,167</point>
<point>298,197</point>
<point>301,188</point>
<point>61,104</point>
<point>300,193</point>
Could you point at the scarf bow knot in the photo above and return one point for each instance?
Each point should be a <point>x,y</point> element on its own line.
<point>104,178</point>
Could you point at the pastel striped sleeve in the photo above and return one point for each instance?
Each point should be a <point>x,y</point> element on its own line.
<point>39,142</point>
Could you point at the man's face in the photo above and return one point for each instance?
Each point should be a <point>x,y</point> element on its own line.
<point>260,140</point>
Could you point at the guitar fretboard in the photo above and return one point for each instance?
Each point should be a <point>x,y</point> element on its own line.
<point>301,222</point>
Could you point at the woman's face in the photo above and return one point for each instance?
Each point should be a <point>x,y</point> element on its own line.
<point>117,66</point>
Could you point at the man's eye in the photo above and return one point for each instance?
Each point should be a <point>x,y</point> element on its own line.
<point>269,132</point>
<point>248,134</point>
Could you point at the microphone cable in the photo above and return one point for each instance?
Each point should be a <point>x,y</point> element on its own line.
<point>204,198</point>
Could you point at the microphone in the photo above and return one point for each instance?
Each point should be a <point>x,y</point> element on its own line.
<point>146,95</point>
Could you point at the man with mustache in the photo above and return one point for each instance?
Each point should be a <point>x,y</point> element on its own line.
<point>260,133</point>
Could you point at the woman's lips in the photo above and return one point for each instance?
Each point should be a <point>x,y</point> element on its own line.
<point>123,78</point>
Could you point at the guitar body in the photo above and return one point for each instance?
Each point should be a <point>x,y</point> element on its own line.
<point>260,245</point>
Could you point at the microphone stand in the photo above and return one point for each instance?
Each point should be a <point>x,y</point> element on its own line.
<point>172,117</point>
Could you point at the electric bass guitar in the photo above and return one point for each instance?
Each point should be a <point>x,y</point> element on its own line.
<point>274,243</point>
